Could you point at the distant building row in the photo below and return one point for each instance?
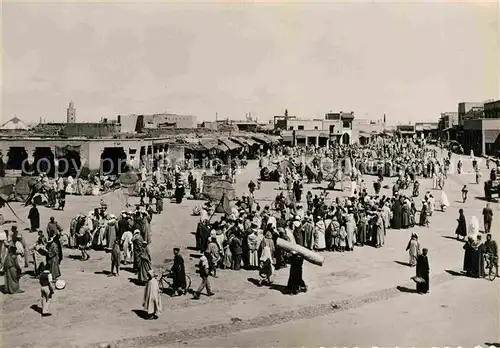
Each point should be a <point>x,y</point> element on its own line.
<point>475,126</point>
<point>343,128</point>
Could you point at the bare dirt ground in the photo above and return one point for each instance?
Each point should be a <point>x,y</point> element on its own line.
<point>359,298</point>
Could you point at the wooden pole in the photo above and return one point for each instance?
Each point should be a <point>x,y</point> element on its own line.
<point>307,254</point>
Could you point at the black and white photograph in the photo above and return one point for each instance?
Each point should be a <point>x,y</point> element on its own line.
<point>250,174</point>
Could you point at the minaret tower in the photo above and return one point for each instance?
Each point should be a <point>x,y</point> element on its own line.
<point>71,113</point>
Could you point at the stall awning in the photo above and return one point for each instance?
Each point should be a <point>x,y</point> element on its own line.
<point>287,138</point>
<point>231,145</point>
<point>249,141</point>
<point>300,136</point>
<point>275,139</point>
<point>324,135</point>
<point>240,141</point>
<point>210,145</point>
<point>194,147</point>
<point>261,138</point>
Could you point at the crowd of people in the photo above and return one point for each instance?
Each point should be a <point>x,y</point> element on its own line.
<point>246,235</point>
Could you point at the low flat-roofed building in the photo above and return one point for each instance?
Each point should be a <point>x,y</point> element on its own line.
<point>427,130</point>
<point>140,123</point>
<point>334,128</point>
<point>492,109</point>
<point>405,130</point>
<point>481,136</point>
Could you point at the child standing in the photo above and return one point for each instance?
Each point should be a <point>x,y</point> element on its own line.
<point>46,291</point>
<point>342,238</point>
<point>464,193</point>
<point>115,258</point>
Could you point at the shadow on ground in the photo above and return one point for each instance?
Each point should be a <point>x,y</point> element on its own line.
<point>141,313</point>
<point>135,281</point>
<point>407,290</point>
<point>127,269</point>
<point>455,273</point>
<point>36,308</point>
<point>402,263</point>
<point>278,287</point>
<point>454,238</point>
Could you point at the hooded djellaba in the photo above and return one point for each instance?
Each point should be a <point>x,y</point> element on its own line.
<point>152,300</point>
<point>144,264</point>
<point>53,259</point>
<point>397,215</point>
<point>266,268</point>
<point>111,232</point>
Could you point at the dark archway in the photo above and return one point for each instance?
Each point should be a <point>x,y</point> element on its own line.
<point>43,161</point>
<point>70,164</point>
<point>113,161</point>
<point>345,139</point>
<point>17,157</point>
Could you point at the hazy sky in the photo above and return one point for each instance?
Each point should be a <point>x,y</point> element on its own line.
<point>410,61</point>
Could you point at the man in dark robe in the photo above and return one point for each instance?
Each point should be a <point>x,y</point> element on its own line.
<point>487,218</point>
<point>423,272</point>
<point>297,233</point>
<point>461,230</point>
<point>204,235</point>
<point>468,256</point>
<point>12,272</point>
<point>142,193</point>
<point>405,221</point>
<point>308,233</point>
<point>53,259</point>
<point>178,274</point>
<point>397,215</point>
<point>138,246</point>
<point>491,251</point>
<point>480,255</point>
<point>362,229</point>
<point>297,190</point>
<point>54,231</point>
<point>295,282</point>
<point>139,222</point>
<point>123,226</point>
<point>179,192</point>
<point>34,217</point>
<point>144,264</point>
<point>61,196</point>
<point>159,202</point>
<point>473,259</point>
<point>376,186</point>
<point>236,252</point>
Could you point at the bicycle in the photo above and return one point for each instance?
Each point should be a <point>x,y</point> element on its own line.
<point>491,266</point>
<point>166,283</point>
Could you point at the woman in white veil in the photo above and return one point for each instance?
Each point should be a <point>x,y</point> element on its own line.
<point>473,231</point>
<point>444,202</point>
